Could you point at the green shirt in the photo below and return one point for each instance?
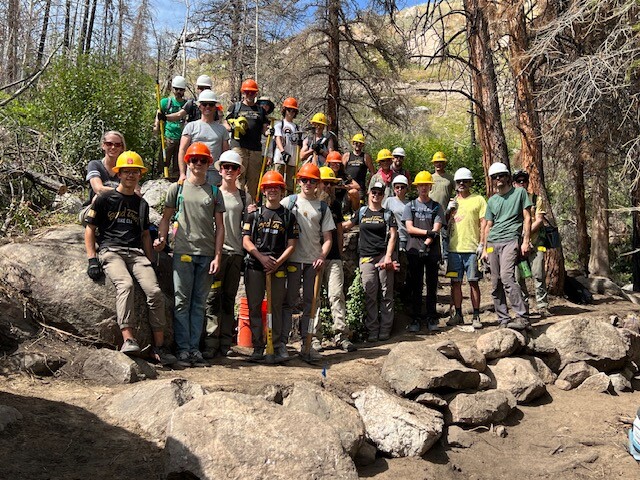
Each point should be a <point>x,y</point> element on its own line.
<point>505,211</point>
<point>442,189</point>
<point>172,130</point>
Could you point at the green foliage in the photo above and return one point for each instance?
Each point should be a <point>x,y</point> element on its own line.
<point>356,308</point>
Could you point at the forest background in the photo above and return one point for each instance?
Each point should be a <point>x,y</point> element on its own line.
<point>550,86</point>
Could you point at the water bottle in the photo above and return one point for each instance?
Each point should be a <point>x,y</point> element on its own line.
<point>525,270</point>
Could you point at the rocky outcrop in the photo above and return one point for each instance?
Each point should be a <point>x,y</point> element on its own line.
<point>518,376</point>
<point>499,343</point>
<point>109,367</point>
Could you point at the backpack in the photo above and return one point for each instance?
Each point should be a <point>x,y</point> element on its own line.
<point>174,219</point>
<point>387,218</point>
<point>323,210</point>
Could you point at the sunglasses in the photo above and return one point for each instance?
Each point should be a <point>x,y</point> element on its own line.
<point>201,160</point>
<point>463,181</point>
<point>207,104</point>
<point>376,192</point>
<point>112,144</point>
<point>231,166</point>
<point>178,89</point>
<point>312,181</point>
<point>498,176</point>
<point>401,187</point>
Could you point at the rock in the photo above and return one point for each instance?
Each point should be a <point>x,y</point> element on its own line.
<point>48,272</point>
<point>457,437</point>
<point>411,368</point>
<point>237,436</point>
<point>273,393</point>
<point>67,203</point>
<point>587,339</point>
<point>472,358</point>
<point>155,191</point>
<point>500,343</point>
<point>8,415</point>
<point>485,382</point>
<point>149,405</point>
<point>17,323</point>
<point>596,383</point>
<point>540,345</point>
<point>110,367</point>
<point>574,374</point>
<point>481,408</point>
<point>541,368</point>
<point>518,376</point>
<point>500,431</point>
<point>366,455</point>
<point>448,348</point>
<point>342,417</point>
<point>398,427</point>
<point>41,364</point>
<point>620,383</point>
<point>632,322</point>
<point>431,400</point>
<point>632,342</point>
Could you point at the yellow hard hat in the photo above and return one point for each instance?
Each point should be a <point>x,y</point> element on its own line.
<point>319,118</point>
<point>358,137</point>
<point>129,159</point>
<point>438,157</point>
<point>384,154</point>
<point>328,175</point>
<point>423,178</point>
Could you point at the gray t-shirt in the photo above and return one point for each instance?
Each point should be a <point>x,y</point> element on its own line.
<point>424,216</point>
<point>211,134</point>
<point>397,207</point>
<point>233,219</point>
<point>196,232</point>
<point>309,246</point>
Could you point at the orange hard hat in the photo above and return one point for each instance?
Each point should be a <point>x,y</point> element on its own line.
<point>290,103</point>
<point>198,149</point>
<point>334,157</point>
<point>309,170</point>
<point>272,179</point>
<point>249,85</point>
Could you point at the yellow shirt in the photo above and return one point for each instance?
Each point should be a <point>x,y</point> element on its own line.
<point>465,227</point>
<point>537,210</point>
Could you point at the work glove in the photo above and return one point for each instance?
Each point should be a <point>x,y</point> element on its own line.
<point>95,269</point>
<point>479,250</point>
<point>285,157</point>
<point>453,205</point>
<point>162,116</point>
<point>270,132</point>
<point>317,147</point>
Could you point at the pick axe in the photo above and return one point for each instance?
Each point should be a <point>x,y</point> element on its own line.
<point>270,356</point>
<point>306,352</point>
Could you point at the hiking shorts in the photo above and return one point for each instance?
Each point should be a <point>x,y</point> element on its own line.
<point>460,263</point>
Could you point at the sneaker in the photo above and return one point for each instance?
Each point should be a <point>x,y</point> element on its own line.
<point>282,353</point>
<point>130,346</point>
<point>518,324</point>
<point>313,354</point>
<point>476,323</point>
<point>257,355</point>
<point>209,354</point>
<point>433,325</point>
<point>383,337</point>
<point>414,327</point>
<point>316,344</point>
<point>455,319</point>
<point>225,351</point>
<point>197,360</point>
<point>184,359</point>
<point>347,346</point>
<point>163,356</point>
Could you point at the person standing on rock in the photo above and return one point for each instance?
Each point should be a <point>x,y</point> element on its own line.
<point>197,253</point>
<point>317,145</point>
<point>172,129</point>
<point>357,163</point>
<point>396,204</point>
<point>269,236</point>
<point>346,186</point>
<point>442,191</point>
<point>397,165</point>
<point>119,222</point>
<point>384,174</point>
<point>287,138</point>
<point>507,232</point>
<point>466,244</point>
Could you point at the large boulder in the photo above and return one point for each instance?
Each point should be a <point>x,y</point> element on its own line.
<point>412,368</point>
<point>500,343</point>
<point>590,340</point>
<point>599,383</point>
<point>398,427</point>
<point>518,376</point>
<point>473,358</point>
<point>110,367</point>
<point>342,417</point>
<point>237,436</point>
<point>632,341</point>
<point>574,374</point>
<point>481,408</point>
<point>17,323</point>
<point>149,405</point>
<point>48,271</point>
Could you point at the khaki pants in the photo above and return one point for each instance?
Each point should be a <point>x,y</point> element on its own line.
<point>256,284</point>
<point>297,274</point>
<point>536,259</point>
<point>121,265</point>
<point>252,163</point>
<point>373,279</point>
<point>333,278</point>
<point>289,173</point>
<point>502,261</point>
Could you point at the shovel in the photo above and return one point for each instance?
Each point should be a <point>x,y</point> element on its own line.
<point>306,352</point>
<point>270,356</point>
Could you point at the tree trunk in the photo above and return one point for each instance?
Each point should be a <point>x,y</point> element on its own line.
<point>599,259</point>
<point>119,45</point>
<point>92,18</point>
<point>13,28</point>
<point>235,58</point>
<point>43,34</point>
<point>582,158</point>
<point>635,239</point>
<point>83,27</point>
<point>333,88</point>
<point>67,22</point>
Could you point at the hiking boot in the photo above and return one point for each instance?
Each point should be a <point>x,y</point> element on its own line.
<point>455,319</point>
<point>383,337</point>
<point>433,325</point>
<point>414,327</point>
<point>163,356</point>
<point>316,344</point>
<point>347,346</point>
<point>197,360</point>
<point>130,346</point>
<point>282,353</point>
<point>257,355</point>
<point>313,354</point>
<point>518,324</point>
<point>372,338</point>
<point>183,360</point>
<point>476,323</point>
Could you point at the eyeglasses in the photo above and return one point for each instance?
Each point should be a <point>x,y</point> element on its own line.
<point>312,181</point>
<point>375,192</point>
<point>401,187</point>
<point>231,166</point>
<point>112,144</point>
<point>199,160</point>
<point>207,104</point>
<point>178,89</point>
<point>498,176</point>
<point>130,173</point>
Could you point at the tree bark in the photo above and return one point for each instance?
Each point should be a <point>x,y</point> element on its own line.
<point>92,18</point>
<point>635,239</point>
<point>582,158</point>
<point>67,21</point>
<point>43,34</point>
<point>13,28</point>
<point>333,88</point>
<point>83,26</point>
<point>235,59</point>
<point>599,259</point>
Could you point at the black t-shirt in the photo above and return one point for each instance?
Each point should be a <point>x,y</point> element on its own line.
<point>96,169</point>
<point>357,169</point>
<point>269,232</point>
<point>336,212</point>
<point>120,219</point>
<point>256,118</point>
<point>373,231</point>
<point>345,179</point>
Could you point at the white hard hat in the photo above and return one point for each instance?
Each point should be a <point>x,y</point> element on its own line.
<point>178,82</point>
<point>463,174</point>
<point>398,152</point>
<point>207,96</point>
<point>498,167</point>
<point>229,156</point>
<point>400,179</point>
<point>204,81</point>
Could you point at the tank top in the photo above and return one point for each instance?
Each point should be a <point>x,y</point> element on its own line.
<point>357,169</point>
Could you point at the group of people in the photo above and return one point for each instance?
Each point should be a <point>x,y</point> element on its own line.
<point>289,243</point>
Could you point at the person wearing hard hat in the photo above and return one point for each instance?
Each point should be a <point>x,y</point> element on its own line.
<point>246,122</point>
<point>208,131</point>
<point>196,208</point>
<point>346,186</point>
<point>536,257</point>
<point>190,111</point>
<point>376,245</point>
<point>397,164</point>
<point>221,298</point>
<point>507,234</point>
<point>442,192</point>
<point>357,163</point>
<point>423,218</point>
<point>310,255</point>
<point>396,204</point>
<point>466,243</point>
<point>119,222</point>
<point>317,145</point>
<point>269,236</point>
<point>172,129</point>
<point>333,272</point>
<point>287,138</point>
<point>384,174</point>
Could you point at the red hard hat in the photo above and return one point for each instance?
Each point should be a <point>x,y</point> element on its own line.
<point>198,149</point>
<point>271,179</point>
<point>290,103</point>
<point>309,170</point>
<point>334,157</point>
<point>249,85</point>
